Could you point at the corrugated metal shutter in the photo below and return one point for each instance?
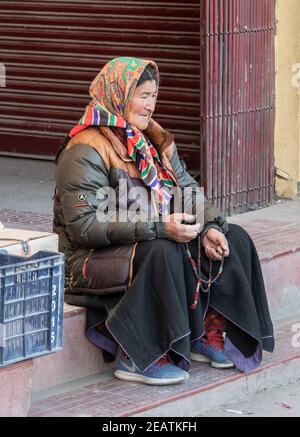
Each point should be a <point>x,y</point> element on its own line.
<point>53,49</point>
<point>237,103</point>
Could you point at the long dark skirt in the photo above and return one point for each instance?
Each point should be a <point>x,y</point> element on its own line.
<point>154,316</point>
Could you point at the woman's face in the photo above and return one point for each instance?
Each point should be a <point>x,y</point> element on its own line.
<point>142,105</point>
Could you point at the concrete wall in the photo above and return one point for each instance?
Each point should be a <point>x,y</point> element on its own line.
<point>287,124</point>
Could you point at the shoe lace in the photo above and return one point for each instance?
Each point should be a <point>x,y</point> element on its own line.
<point>158,363</point>
<point>162,361</point>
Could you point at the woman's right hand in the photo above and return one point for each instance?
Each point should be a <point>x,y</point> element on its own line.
<point>180,232</point>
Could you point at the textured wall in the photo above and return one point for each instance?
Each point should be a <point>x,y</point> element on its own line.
<point>287,125</point>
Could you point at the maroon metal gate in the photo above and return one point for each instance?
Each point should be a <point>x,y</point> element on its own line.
<point>237,103</point>
<point>53,49</point>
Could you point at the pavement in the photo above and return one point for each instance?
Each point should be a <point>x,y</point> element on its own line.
<point>277,402</point>
<point>26,184</point>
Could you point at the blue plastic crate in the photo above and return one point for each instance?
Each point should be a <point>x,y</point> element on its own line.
<point>31,305</point>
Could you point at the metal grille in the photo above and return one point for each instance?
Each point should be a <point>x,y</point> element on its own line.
<point>53,49</point>
<point>237,103</point>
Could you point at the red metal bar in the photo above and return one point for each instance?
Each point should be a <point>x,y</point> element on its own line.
<point>225,107</point>
<point>252,174</point>
<point>208,174</point>
<point>243,106</point>
<point>230,106</point>
<point>242,112</point>
<point>265,81</point>
<point>216,48</point>
<point>249,24</point>
<point>234,116</point>
<point>217,81</point>
<point>261,113</point>
<point>255,168</point>
<point>221,117</point>
<point>262,148</point>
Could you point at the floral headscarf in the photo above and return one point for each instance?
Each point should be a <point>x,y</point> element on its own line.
<point>111,90</point>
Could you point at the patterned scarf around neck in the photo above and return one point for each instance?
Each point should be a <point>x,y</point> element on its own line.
<point>111,90</point>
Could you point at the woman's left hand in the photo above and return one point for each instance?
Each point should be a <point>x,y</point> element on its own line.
<point>214,242</point>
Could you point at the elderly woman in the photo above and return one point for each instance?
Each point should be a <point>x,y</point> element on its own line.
<point>161,290</point>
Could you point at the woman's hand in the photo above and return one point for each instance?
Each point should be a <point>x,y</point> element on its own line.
<point>214,242</point>
<point>179,232</point>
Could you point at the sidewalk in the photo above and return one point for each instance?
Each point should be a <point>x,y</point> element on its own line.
<point>27,187</point>
<point>26,184</point>
<point>26,194</point>
<point>278,402</point>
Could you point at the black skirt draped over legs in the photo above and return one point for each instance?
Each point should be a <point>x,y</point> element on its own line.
<point>155,317</point>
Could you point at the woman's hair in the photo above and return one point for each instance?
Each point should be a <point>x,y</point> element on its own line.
<point>150,73</point>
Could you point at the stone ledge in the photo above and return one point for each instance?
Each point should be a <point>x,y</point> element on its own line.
<point>15,389</point>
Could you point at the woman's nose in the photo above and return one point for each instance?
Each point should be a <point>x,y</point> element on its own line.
<point>150,105</point>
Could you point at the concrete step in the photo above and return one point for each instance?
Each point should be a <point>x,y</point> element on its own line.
<point>15,392</point>
<point>104,396</point>
<point>77,359</point>
<point>279,261</point>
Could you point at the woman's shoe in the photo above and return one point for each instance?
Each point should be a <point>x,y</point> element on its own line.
<point>210,347</point>
<point>204,352</point>
<point>162,372</point>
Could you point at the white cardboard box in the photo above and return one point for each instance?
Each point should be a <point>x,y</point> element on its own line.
<point>26,243</point>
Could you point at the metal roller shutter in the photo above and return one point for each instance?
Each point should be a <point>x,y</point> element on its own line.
<point>53,49</point>
<point>238,103</point>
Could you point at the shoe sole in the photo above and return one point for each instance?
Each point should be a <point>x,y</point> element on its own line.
<point>222,366</point>
<point>133,377</point>
<point>199,358</point>
<point>203,359</point>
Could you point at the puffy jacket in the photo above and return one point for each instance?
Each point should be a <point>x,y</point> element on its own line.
<point>99,255</point>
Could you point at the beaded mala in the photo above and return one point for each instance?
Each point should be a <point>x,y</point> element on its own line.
<point>197,271</point>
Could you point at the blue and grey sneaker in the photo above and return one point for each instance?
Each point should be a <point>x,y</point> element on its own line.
<point>208,352</point>
<point>162,372</point>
